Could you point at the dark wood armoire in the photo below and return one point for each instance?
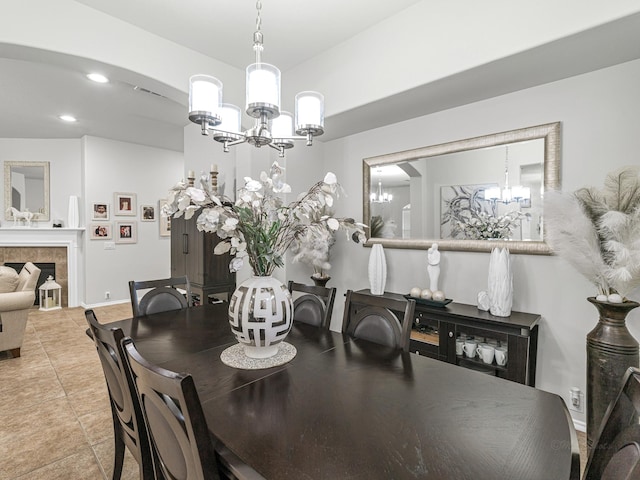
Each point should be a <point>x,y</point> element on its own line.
<point>192,255</point>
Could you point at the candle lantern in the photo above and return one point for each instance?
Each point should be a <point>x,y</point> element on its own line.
<point>50,295</point>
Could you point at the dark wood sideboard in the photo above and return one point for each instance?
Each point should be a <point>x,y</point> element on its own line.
<point>192,255</point>
<point>435,330</point>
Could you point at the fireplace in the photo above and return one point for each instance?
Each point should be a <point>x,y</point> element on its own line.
<point>46,269</point>
<point>60,246</point>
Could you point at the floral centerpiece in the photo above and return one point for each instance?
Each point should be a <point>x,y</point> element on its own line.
<point>480,225</point>
<point>259,228</point>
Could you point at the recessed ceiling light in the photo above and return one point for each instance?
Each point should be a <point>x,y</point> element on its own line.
<point>67,118</point>
<point>97,77</point>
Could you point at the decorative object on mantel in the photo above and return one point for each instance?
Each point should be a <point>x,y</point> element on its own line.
<point>73,219</point>
<point>377,270</point>
<point>260,228</point>
<point>50,295</point>
<point>57,223</point>
<point>500,282</point>
<point>598,232</point>
<point>19,216</point>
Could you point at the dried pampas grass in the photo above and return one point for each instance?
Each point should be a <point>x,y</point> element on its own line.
<point>598,231</point>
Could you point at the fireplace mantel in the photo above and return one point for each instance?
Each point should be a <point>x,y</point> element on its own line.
<point>71,238</point>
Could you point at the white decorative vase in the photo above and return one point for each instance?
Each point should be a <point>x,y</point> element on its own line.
<point>500,283</point>
<point>73,220</point>
<point>377,270</point>
<point>261,315</point>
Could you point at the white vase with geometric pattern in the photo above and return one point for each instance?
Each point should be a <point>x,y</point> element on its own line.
<point>261,315</point>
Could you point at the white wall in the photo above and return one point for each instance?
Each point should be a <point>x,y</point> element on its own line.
<point>599,118</point>
<point>111,166</point>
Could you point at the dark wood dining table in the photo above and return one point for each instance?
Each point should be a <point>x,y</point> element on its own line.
<point>350,409</point>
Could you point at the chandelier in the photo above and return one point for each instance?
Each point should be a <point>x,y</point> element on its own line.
<point>272,126</point>
<point>507,194</point>
<point>380,196</point>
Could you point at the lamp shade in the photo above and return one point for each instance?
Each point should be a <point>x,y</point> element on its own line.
<point>492,193</point>
<point>309,113</point>
<point>205,98</point>
<point>263,90</point>
<point>282,126</point>
<point>230,116</point>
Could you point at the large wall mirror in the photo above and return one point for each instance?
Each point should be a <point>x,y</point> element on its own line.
<point>26,187</point>
<point>468,195</point>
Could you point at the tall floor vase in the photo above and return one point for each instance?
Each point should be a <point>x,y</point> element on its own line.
<point>261,315</point>
<point>611,350</point>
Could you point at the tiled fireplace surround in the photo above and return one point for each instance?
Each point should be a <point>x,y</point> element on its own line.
<point>40,245</point>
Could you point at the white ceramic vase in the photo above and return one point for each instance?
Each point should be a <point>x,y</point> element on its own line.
<point>73,220</point>
<point>377,270</point>
<point>500,282</point>
<point>261,315</point>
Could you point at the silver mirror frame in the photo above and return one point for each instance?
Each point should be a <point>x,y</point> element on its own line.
<point>550,132</point>
<point>7,188</point>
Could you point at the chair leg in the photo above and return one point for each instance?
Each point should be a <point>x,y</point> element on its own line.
<point>15,352</point>
<point>118,448</point>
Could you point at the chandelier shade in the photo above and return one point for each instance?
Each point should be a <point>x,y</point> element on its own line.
<point>205,99</point>
<point>271,127</point>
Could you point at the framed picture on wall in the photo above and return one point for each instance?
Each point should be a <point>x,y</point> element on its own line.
<point>165,222</point>
<point>101,231</point>
<point>126,232</point>
<point>125,204</point>
<point>100,211</point>
<point>147,213</point>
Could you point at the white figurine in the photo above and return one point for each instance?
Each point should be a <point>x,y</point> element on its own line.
<point>433,268</point>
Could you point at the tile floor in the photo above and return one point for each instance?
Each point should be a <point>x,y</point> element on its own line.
<point>55,421</point>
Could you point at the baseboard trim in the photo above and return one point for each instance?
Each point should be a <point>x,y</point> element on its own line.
<point>579,425</point>
<point>103,304</point>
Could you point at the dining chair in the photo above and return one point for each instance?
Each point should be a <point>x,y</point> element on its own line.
<point>128,425</point>
<point>375,319</point>
<point>163,295</point>
<point>315,306</point>
<point>178,434</point>
<point>615,454</point>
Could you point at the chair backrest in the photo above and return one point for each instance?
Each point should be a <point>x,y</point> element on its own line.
<point>178,433</point>
<point>315,306</point>
<point>161,297</point>
<point>374,319</point>
<point>615,454</point>
<point>127,416</point>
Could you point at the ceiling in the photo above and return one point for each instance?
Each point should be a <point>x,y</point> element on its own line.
<point>37,86</point>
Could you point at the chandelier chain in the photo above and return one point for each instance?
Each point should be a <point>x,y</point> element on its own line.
<point>258,18</point>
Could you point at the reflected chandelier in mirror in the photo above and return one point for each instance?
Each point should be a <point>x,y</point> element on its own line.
<point>468,195</point>
<point>26,188</point>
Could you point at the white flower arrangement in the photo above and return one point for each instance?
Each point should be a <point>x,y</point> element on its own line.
<point>482,225</point>
<point>313,247</point>
<point>258,226</point>
<point>598,232</point>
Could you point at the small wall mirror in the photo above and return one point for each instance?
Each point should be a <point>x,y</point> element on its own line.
<point>468,195</point>
<point>26,187</point>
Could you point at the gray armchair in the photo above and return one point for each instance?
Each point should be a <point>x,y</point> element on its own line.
<point>17,294</point>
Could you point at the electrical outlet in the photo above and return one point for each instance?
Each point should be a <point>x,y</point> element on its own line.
<point>576,400</point>
<point>107,295</point>
<point>109,245</point>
